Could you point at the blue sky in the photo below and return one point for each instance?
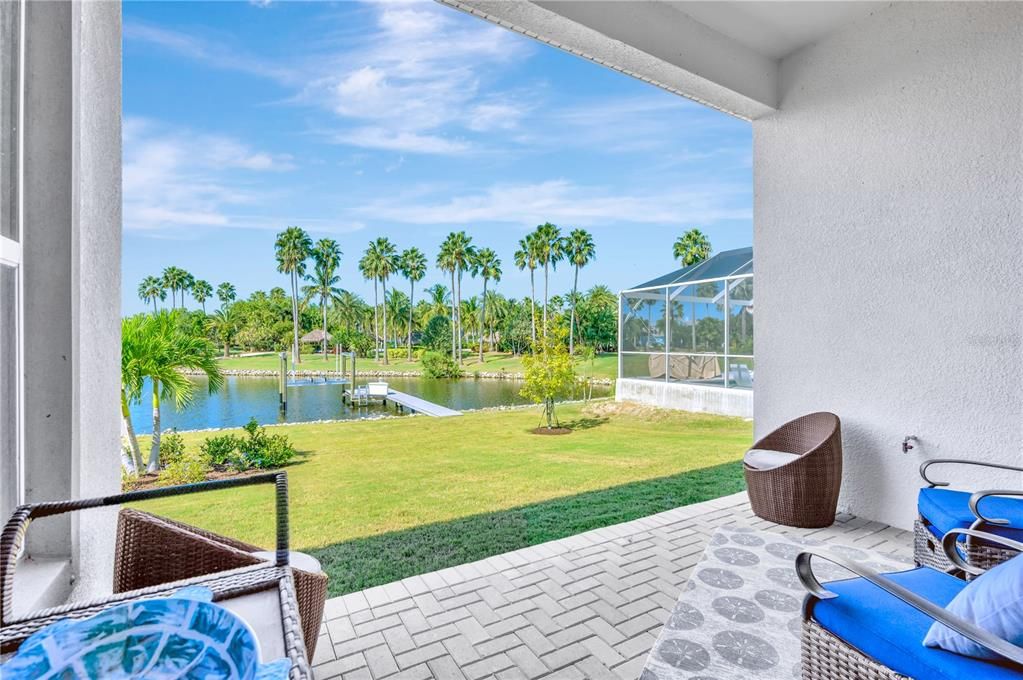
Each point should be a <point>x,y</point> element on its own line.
<point>408,120</point>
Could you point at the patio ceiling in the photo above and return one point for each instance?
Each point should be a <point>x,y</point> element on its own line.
<point>723,54</point>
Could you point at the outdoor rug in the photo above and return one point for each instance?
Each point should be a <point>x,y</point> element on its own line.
<point>739,616</point>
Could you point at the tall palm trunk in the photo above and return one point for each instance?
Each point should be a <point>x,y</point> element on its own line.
<point>459,307</point>
<point>411,305</point>
<point>376,322</point>
<point>483,316</point>
<point>131,455</point>
<point>296,356</point>
<point>546,281</point>
<point>203,308</point>
<point>154,451</point>
<point>383,282</point>
<point>571,324</point>
<point>532,303</point>
<point>323,306</point>
<point>454,345</point>
<point>154,304</point>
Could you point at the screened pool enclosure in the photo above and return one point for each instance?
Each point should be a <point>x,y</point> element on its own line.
<point>692,326</point>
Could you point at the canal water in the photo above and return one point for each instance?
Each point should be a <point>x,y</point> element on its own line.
<point>244,397</point>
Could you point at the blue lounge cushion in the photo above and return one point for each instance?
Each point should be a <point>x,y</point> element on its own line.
<point>992,601</point>
<point>891,632</point>
<point>946,509</point>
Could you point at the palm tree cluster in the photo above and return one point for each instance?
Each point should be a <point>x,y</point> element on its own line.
<point>177,282</point>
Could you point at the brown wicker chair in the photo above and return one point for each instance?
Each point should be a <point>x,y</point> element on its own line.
<point>804,492</point>
<point>153,550</point>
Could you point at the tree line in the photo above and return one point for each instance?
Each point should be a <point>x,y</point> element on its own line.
<point>438,317</point>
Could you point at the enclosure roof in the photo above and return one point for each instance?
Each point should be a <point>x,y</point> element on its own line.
<point>725,263</point>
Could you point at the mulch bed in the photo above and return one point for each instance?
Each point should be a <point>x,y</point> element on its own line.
<point>551,430</point>
<point>150,481</point>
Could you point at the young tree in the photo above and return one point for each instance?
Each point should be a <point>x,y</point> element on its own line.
<point>413,267</point>
<point>525,257</point>
<point>550,249</point>
<point>486,265</point>
<point>202,291</point>
<point>324,279</point>
<point>292,248</point>
<point>550,374</point>
<point>151,289</point>
<point>580,251</point>
<point>226,293</point>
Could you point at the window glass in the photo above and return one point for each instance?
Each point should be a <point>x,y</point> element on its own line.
<point>740,322</point>
<point>643,322</point>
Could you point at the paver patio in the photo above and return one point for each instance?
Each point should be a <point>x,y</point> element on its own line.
<point>588,606</point>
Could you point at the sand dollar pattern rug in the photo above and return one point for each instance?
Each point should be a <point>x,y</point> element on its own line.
<point>739,616</point>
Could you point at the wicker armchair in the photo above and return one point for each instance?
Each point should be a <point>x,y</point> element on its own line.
<point>940,510</point>
<point>803,492</point>
<point>872,627</point>
<point>153,550</point>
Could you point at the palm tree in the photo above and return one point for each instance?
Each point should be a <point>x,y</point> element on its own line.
<point>381,261</point>
<point>327,256</point>
<point>187,283</point>
<point>470,311</point>
<point>580,251</point>
<point>349,306</point>
<point>397,307</point>
<point>486,265</point>
<point>446,263</point>
<point>437,301</point>
<point>174,279</point>
<point>525,256</point>
<point>226,293</point>
<point>202,291</point>
<point>413,267</point>
<point>224,325</point>
<point>134,353</point>
<point>459,255</point>
<point>151,289</point>
<point>367,267</point>
<point>550,249</point>
<point>292,248</point>
<point>692,247</point>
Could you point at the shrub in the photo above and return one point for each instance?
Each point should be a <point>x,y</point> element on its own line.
<point>187,468</point>
<point>440,365</point>
<point>223,449</point>
<point>262,450</point>
<point>172,447</point>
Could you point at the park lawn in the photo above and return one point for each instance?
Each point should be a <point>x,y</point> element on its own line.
<point>604,365</point>
<point>377,501</point>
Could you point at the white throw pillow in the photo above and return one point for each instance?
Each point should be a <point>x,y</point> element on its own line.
<point>992,601</point>
<point>765,459</point>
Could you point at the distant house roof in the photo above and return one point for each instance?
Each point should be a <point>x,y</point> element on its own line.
<point>725,263</point>
<point>314,336</point>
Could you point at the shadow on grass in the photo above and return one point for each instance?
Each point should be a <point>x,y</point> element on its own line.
<point>366,562</point>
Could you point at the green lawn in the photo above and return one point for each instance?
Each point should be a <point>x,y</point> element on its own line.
<point>377,501</point>
<point>604,366</point>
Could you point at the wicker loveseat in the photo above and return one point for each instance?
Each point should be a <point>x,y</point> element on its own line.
<point>872,627</point>
<point>803,492</point>
<point>940,510</point>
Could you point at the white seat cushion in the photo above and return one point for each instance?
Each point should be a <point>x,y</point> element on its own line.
<point>765,459</point>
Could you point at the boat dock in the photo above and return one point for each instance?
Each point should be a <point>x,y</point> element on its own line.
<point>403,401</point>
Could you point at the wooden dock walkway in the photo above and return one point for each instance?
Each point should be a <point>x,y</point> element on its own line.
<point>417,405</point>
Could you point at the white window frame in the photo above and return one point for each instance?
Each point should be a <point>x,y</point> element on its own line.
<point>11,256</point>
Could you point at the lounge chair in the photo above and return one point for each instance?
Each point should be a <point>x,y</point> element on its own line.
<point>941,510</point>
<point>794,474</point>
<point>873,627</point>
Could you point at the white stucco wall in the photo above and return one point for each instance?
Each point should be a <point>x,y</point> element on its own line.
<point>888,193</point>
<point>696,398</point>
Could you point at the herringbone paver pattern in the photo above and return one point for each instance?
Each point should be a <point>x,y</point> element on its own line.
<point>589,606</point>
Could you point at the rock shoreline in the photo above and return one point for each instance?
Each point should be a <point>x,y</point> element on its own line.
<point>481,375</point>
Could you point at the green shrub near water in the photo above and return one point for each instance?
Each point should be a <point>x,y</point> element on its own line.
<point>261,450</point>
<point>172,447</point>
<point>187,468</point>
<point>222,449</point>
<point>440,365</point>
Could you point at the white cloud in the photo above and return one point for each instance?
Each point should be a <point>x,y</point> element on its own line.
<point>565,202</point>
<point>173,177</point>
<point>397,140</point>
